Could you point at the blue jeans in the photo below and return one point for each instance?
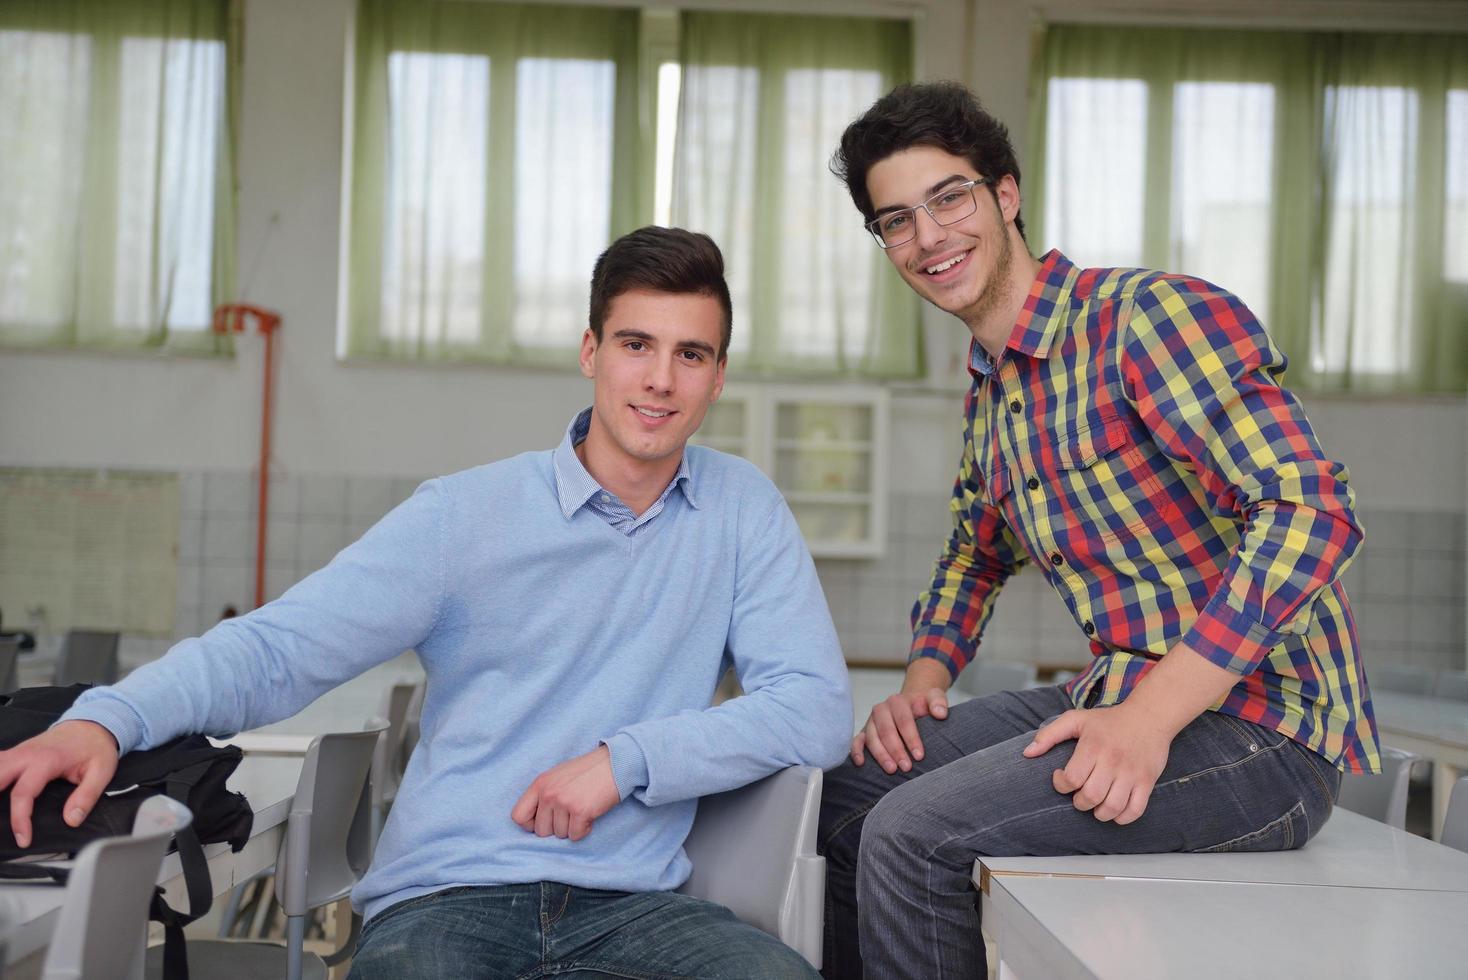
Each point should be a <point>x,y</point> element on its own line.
<point>900,849</point>
<point>549,929</point>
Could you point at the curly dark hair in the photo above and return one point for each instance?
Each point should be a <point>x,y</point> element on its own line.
<point>944,115</point>
<point>665,260</point>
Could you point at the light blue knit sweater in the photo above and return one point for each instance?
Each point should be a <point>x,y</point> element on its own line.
<point>543,631</point>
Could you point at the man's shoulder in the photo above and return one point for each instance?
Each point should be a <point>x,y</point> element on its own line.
<point>726,479</point>
<point>510,472</point>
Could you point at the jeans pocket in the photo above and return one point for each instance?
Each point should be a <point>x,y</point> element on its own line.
<point>1284,833</point>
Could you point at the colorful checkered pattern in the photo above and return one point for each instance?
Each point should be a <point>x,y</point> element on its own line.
<point>1134,442</point>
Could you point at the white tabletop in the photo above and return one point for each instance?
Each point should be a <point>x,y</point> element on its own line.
<point>1350,850</point>
<point>1438,719</point>
<point>1140,929</point>
<point>268,783</point>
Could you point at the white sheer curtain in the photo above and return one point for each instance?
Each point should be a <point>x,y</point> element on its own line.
<point>115,178</point>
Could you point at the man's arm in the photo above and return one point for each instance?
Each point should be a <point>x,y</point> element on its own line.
<point>1202,373</point>
<point>377,598</point>
<point>948,618</point>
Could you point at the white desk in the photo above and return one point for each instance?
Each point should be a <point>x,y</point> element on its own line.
<point>1361,899</point>
<point>1350,851</point>
<point>268,783</point>
<point>344,708</point>
<point>1435,728</point>
<point>1141,929</point>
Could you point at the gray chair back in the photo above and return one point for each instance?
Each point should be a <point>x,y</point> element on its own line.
<point>1451,684</point>
<point>87,657</point>
<point>9,656</point>
<point>1455,825</point>
<point>992,676</point>
<point>754,851</point>
<point>101,929</point>
<point>1400,678</point>
<point>1382,796</point>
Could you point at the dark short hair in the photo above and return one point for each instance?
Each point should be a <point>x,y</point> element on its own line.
<point>944,115</point>
<point>665,260</point>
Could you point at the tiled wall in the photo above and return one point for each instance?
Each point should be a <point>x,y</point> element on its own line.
<point>1407,586</point>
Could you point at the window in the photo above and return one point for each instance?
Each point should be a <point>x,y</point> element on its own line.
<point>488,173</point>
<point>482,194</point>
<point>1371,240</point>
<point>1222,181</point>
<point>1096,181</point>
<point>115,218</point>
<point>1306,173</point>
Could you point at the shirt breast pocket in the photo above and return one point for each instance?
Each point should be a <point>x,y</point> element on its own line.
<point>1111,478</point>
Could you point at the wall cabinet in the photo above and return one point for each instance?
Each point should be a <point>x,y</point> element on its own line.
<point>825,448</point>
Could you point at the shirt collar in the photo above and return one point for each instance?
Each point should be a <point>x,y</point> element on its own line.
<point>574,483</point>
<point>1036,326</point>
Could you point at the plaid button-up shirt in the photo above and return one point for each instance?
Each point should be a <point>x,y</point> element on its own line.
<point>1133,441</point>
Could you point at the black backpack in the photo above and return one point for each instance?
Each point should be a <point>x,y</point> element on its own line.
<point>189,769</point>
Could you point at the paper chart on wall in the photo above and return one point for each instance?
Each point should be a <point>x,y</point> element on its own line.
<point>95,549</point>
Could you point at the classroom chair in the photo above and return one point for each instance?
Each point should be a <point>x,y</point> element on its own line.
<point>1400,678</point>
<point>1455,824</point>
<point>1452,684</point>
<point>9,657</point>
<point>991,676</point>
<point>324,853</point>
<point>1382,796</point>
<point>87,657</point>
<point>102,925</point>
<point>754,850</point>
<point>390,759</point>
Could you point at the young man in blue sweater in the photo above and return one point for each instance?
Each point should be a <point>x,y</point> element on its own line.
<point>573,610</point>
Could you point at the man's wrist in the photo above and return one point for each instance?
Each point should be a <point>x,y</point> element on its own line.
<point>924,674</point>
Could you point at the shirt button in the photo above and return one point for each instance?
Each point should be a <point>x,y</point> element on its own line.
<point>1090,628</point>
<point>606,498</point>
<point>1016,405</point>
<point>1033,483</point>
<point>1057,559</point>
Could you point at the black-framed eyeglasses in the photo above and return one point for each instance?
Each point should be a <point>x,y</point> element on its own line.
<point>951,204</point>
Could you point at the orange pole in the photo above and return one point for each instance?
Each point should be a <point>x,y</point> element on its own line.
<point>263,521</point>
<point>231,317</point>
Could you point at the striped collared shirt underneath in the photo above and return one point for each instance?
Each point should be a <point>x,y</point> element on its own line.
<point>577,488</point>
<point>1134,442</point>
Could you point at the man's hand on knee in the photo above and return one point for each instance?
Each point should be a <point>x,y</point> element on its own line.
<point>567,799</point>
<point>1119,755</point>
<point>891,734</point>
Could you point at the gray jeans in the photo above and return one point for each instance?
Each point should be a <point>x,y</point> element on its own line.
<point>900,849</point>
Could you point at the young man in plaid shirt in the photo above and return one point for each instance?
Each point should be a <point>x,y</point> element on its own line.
<point>1126,433</point>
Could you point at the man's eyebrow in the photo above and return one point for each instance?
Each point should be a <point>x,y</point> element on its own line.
<point>631,333</point>
<point>926,194</point>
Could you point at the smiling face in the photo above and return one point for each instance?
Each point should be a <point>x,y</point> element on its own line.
<point>963,268</point>
<point>656,371</point>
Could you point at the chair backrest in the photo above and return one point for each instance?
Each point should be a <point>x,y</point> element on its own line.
<point>754,851</point>
<point>1455,824</point>
<point>1400,678</point>
<point>87,657</point>
<point>101,928</point>
<point>327,844</point>
<point>394,711</point>
<point>991,676</point>
<point>412,725</point>
<point>9,655</point>
<point>1451,684</point>
<point>1382,796</point>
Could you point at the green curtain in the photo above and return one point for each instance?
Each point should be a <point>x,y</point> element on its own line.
<point>1313,173</point>
<point>496,152</point>
<point>764,100</point>
<point>116,173</point>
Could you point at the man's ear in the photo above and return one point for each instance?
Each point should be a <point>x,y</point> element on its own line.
<point>1006,191</point>
<point>719,379</point>
<point>588,354</point>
